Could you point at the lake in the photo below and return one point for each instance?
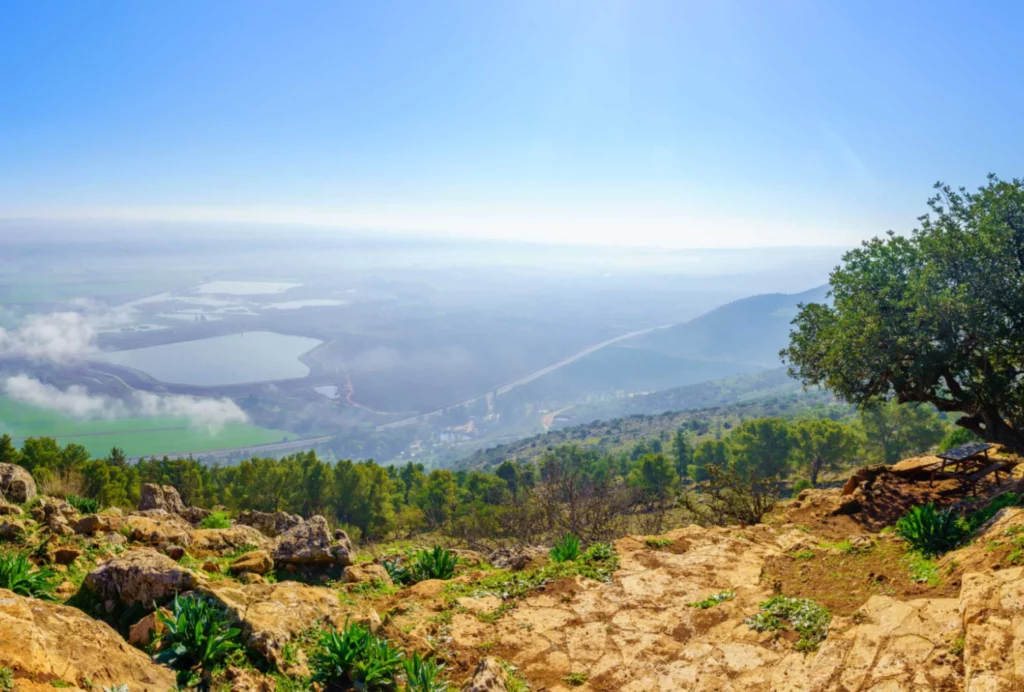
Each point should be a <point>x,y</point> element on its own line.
<point>221,360</point>
<point>244,288</point>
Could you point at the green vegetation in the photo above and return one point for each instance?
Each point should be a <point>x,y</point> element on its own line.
<point>575,679</point>
<point>566,549</point>
<point>6,679</point>
<point>436,563</point>
<point>923,570</point>
<point>932,317</point>
<point>713,600</point>
<point>658,543</point>
<point>930,531</point>
<point>803,615</point>
<point>356,658</point>
<point>970,523</point>
<point>424,675</point>
<point>18,574</point>
<point>84,505</point>
<point>216,520</point>
<point>198,634</point>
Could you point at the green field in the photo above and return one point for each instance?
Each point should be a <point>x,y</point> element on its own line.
<point>136,436</point>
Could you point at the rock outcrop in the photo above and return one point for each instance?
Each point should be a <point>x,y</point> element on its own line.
<point>312,543</point>
<point>58,645</point>
<point>225,540</point>
<point>489,676</point>
<point>140,576</point>
<point>16,484</point>
<point>160,497</point>
<point>369,572</point>
<point>271,524</point>
<point>256,562</point>
<point>159,528</point>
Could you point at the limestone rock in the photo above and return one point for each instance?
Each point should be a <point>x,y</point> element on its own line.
<point>244,680</point>
<point>516,558</point>
<point>311,543</point>
<point>251,578</point>
<point>175,552</point>
<point>92,524</point>
<point>489,676</point>
<point>12,529</point>
<point>256,562</point>
<point>140,576</point>
<point>271,524</point>
<point>146,629</point>
<point>195,515</point>
<point>16,484</point>
<point>66,556</point>
<point>369,572</point>
<point>225,540</point>
<point>159,529</point>
<point>46,641</point>
<point>7,509</point>
<point>162,497</point>
<point>56,514</point>
<point>271,615</point>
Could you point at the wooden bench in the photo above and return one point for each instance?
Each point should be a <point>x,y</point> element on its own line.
<point>971,480</point>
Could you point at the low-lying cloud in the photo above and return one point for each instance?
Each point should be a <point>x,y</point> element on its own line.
<point>77,402</point>
<point>61,336</point>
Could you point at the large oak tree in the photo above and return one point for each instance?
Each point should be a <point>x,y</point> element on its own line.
<point>935,317</point>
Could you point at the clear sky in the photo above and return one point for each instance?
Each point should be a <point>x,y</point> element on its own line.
<point>677,123</point>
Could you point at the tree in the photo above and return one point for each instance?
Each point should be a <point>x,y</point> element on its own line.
<point>9,454</point>
<point>932,318</point>
<point>683,452</point>
<point>709,453</point>
<point>893,431</point>
<point>762,447</point>
<point>822,445</point>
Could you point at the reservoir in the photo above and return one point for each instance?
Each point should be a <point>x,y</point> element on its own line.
<point>221,360</point>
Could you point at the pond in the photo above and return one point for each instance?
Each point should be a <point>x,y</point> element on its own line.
<point>221,360</point>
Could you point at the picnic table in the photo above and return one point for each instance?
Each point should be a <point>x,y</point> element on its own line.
<point>969,463</point>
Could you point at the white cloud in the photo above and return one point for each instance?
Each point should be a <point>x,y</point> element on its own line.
<point>61,336</point>
<point>75,401</point>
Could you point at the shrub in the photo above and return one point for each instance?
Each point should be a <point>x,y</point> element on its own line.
<point>956,437</point>
<point>600,552</point>
<point>930,531</point>
<point>433,564</point>
<point>198,633</point>
<point>713,600</point>
<point>6,680</point>
<point>354,657</point>
<point>84,505</point>
<point>216,520</point>
<point>18,574</point>
<point>397,571</point>
<point>575,679</point>
<point>658,543</point>
<point>809,619</point>
<point>801,485</point>
<point>567,549</point>
<point>424,675</point>
<point>973,521</point>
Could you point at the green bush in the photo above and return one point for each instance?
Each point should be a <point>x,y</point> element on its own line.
<point>424,675</point>
<point>801,485</point>
<point>197,634</point>
<point>973,521</point>
<point>6,680</point>
<point>216,520</point>
<point>433,564</point>
<point>930,531</point>
<point>956,437</point>
<point>356,658</point>
<point>84,505</point>
<point>567,549</point>
<point>18,574</point>
<point>397,571</point>
<point>809,619</point>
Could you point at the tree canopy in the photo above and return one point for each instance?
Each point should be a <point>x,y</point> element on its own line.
<point>935,317</point>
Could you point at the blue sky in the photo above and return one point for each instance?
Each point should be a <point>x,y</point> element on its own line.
<point>686,124</point>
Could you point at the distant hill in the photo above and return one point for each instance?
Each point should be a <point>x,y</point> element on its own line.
<point>750,331</point>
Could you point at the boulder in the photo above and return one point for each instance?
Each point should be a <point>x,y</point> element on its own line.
<point>247,680</point>
<point>12,529</point>
<point>489,676</point>
<point>92,524</point>
<point>56,514</point>
<point>195,515</point>
<point>271,615</point>
<point>161,497</point>
<point>16,483</point>
<point>159,529</point>
<point>143,632</point>
<point>66,556</point>
<point>175,552</point>
<point>140,576</point>
<point>225,540</point>
<point>45,641</point>
<point>7,509</point>
<point>256,562</point>
<point>517,558</point>
<point>369,572</point>
<point>251,578</point>
<point>271,524</point>
<point>311,543</point>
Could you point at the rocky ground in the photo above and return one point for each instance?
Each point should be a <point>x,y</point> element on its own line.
<point>668,612</point>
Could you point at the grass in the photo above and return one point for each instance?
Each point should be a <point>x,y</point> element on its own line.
<point>6,680</point>
<point>844,547</point>
<point>575,679</point>
<point>923,570</point>
<point>658,543</point>
<point>713,600</point>
<point>807,618</point>
<point>137,436</point>
<point>804,555</point>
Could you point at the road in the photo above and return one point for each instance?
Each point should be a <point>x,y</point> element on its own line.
<point>505,388</point>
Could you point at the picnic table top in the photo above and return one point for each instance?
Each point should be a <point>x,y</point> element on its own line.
<point>966,451</point>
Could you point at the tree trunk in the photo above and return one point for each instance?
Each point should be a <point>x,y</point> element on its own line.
<point>991,427</point>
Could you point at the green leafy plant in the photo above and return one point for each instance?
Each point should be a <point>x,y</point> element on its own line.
<point>216,520</point>
<point>809,619</point>
<point>354,657</point>
<point>197,634</point>
<point>599,553</point>
<point>424,675</point>
<point>397,571</point>
<point>84,505</point>
<point>930,531</point>
<point>658,543</point>
<point>6,680</point>
<point>433,564</point>
<point>974,521</point>
<point>713,600</point>
<point>575,679</point>
<point>567,549</point>
<point>923,570</point>
<point>19,575</point>
<point>802,485</point>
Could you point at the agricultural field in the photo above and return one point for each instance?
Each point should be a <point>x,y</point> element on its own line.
<point>136,436</point>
